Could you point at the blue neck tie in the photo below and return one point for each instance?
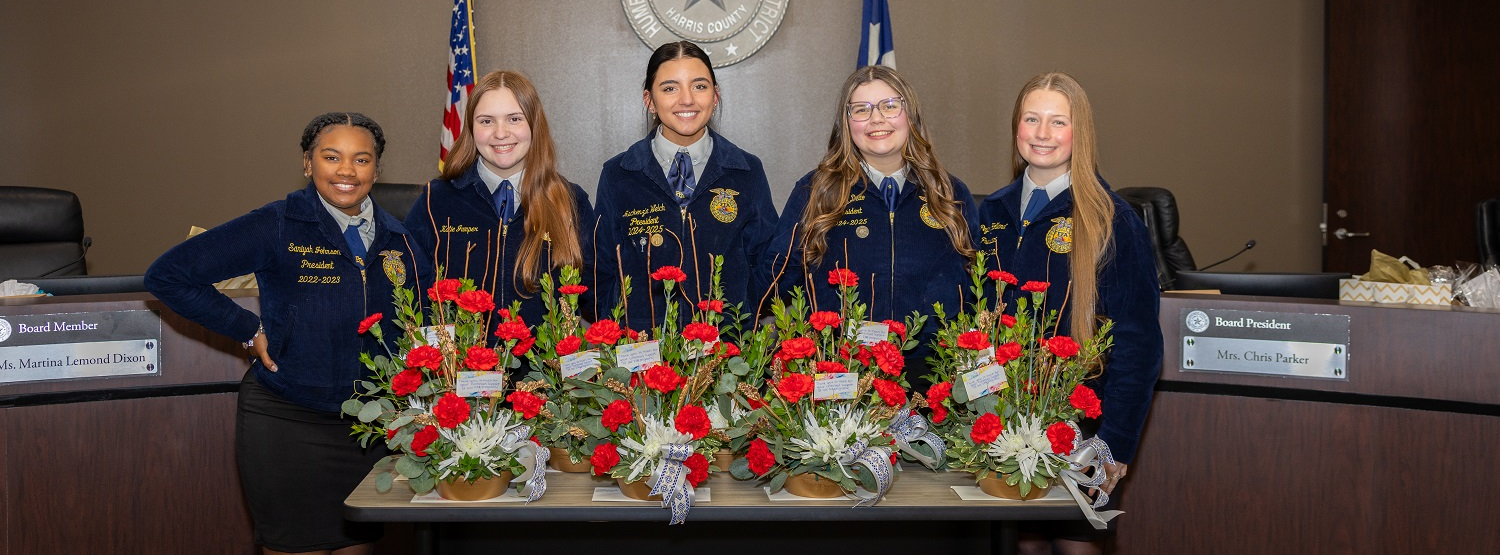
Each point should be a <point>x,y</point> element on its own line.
<point>505,201</point>
<point>356,244</point>
<point>1034,206</point>
<point>889,190</point>
<point>681,178</point>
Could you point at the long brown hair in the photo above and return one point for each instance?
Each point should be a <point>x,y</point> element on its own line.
<point>1093,211</point>
<point>551,210</point>
<point>839,172</point>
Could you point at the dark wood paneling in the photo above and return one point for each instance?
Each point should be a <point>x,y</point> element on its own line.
<point>1240,475</point>
<point>136,476</point>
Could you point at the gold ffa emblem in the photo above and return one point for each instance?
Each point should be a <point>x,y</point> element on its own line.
<point>928,219</point>
<point>723,207</point>
<point>1060,237</point>
<point>395,271</point>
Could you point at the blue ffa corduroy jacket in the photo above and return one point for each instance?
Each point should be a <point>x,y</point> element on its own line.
<point>905,263</point>
<point>312,294</point>
<point>455,223</point>
<point>1128,295</point>
<point>731,216</point>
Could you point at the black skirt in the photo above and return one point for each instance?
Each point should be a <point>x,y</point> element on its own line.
<point>297,465</point>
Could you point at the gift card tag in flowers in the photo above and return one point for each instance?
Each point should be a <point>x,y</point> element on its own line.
<point>696,354</point>
<point>835,386</point>
<point>985,357</point>
<point>638,356</point>
<point>580,362</point>
<point>480,384</point>
<point>430,333</point>
<point>870,333</point>
<point>984,381</point>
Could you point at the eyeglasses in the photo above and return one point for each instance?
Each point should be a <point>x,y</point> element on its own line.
<point>889,108</point>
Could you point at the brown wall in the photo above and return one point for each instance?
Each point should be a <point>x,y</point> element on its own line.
<point>169,114</point>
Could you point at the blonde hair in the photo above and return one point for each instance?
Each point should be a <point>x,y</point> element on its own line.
<point>1093,211</point>
<point>839,172</point>
<point>552,211</point>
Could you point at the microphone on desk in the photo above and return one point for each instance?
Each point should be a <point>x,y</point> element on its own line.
<point>1248,245</point>
<point>87,242</point>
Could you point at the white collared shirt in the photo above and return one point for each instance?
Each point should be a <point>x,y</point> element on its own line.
<point>366,219</point>
<point>1053,188</point>
<point>876,178</point>
<point>665,151</point>
<point>492,181</point>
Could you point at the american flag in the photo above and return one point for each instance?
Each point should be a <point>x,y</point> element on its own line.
<point>460,75</point>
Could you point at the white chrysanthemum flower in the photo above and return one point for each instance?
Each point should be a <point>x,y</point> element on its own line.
<point>657,433</point>
<point>1026,442</point>
<point>826,443</point>
<point>478,438</point>
<point>716,416</point>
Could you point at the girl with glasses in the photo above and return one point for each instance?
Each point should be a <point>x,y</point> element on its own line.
<point>879,204</point>
<point>500,213</point>
<point>679,197</point>
<point>1059,222</point>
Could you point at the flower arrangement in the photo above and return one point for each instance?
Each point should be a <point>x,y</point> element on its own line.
<point>1008,390</point>
<point>436,399</point>
<point>835,388</point>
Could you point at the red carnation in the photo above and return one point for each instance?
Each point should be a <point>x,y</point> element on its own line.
<point>939,414</point>
<point>1062,346</point>
<point>605,457</point>
<point>897,328</point>
<point>824,319</point>
<point>668,273</point>
<point>663,378</point>
<point>939,392</point>
<point>860,353</point>
<point>617,414</point>
<point>391,433</point>
<point>711,305</point>
<point>512,329</point>
<point>478,302</point>
<point>759,456</point>
<point>702,332</point>
<point>574,289</point>
<point>1086,400</point>
<point>986,428</point>
<point>754,404</point>
<point>1007,320</point>
<point>407,382</point>
<point>693,420</point>
<point>480,358</point>
<point>568,345</point>
<point>797,347</point>
<point>1061,435</point>
<point>424,356</point>
<point>422,439</point>
<point>632,334</point>
<point>793,387</point>
<point>1035,286</point>
<point>444,290</point>
<point>826,367</point>
<point>888,357</point>
<point>697,466</point>
<point>521,348</point>
<point>526,403</point>
<point>1007,352</point>
<point>451,410</point>
<point>843,278</point>
<point>727,349</point>
<point>603,332</point>
<point>364,325</point>
<point>890,392</point>
<point>973,340</point>
<point>998,275</point>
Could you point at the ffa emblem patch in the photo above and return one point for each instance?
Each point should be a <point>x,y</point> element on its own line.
<point>395,271</point>
<point>1060,237</point>
<point>928,219</point>
<point>723,206</point>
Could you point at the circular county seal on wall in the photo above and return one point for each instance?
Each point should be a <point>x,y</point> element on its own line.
<point>1197,321</point>
<point>728,30</point>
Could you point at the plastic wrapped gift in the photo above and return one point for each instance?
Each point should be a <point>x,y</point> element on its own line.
<point>1395,280</point>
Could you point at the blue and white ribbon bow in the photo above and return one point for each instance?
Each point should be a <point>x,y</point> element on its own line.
<point>909,427</point>
<point>670,481</point>
<point>1091,452</point>
<point>878,460</point>
<point>534,459</point>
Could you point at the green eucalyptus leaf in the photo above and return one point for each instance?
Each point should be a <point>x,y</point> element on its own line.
<point>383,481</point>
<point>352,407</point>
<point>778,481</point>
<point>369,412</point>
<point>408,467</point>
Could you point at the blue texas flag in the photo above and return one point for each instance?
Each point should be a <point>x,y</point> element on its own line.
<point>875,44</point>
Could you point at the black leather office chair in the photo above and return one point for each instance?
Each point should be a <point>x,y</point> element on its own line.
<point>41,233</point>
<point>396,198</point>
<point>1158,208</point>
<point>1487,223</point>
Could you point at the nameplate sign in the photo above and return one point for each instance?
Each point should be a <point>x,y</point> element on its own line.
<point>43,347</point>
<point>1272,343</point>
